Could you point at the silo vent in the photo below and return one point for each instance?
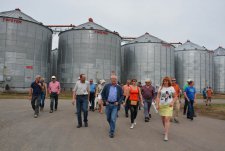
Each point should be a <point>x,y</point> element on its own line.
<point>90,20</point>
<point>188,41</point>
<point>17,9</point>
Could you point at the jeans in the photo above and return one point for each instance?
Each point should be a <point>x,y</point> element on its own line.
<point>111,111</point>
<point>92,100</point>
<point>54,98</point>
<point>147,106</point>
<point>82,105</point>
<point>185,106</point>
<point>133,112</point>
<point>35,103</point>
<point>42,103</point>
<point>190,112</point>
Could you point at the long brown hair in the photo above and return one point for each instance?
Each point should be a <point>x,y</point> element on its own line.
<point>167,79</point>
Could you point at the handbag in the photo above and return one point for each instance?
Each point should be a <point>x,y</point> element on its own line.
<point>133,102</point>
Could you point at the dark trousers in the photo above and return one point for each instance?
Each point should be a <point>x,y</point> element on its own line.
<point>35,103</point>
<point>190,113</point>
<point>92,100</point>
<point>185,106</point>
<point>127,106</point>
<point>82,105</point>
<point>54,100</point>
<point>133,112</point>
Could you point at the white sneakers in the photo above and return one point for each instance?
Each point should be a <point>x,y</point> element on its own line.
<point>132,126</point>
<point>166,138</point>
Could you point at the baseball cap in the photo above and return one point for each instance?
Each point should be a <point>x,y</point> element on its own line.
<point>53,77</point>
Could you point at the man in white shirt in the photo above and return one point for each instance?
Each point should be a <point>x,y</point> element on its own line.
<point>81,96</point>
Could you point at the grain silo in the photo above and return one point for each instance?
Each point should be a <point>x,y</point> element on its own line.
<point>194,62</point>
<point>219,70</point>
<point>90,49</point>
<point>53,61</point>
<point>147,57</point>
<point>25,46</point>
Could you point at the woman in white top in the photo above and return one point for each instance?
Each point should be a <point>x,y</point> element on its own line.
<point>165,100</point>
<point>98,95</point>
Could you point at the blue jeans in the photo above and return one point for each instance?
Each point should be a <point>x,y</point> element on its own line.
<point>147,106</point>
<point>35,103</point>
<point>42,103</point>
<point>190,112</point>
<point>82,105</point>
<point>111,113</point>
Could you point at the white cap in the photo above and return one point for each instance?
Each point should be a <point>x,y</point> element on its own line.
<point>147,80</point>
<point>189,80</point>
<point>53,77</point>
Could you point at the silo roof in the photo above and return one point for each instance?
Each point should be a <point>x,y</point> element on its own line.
<point>91,25</point>
<point>17,13</point>
<point>220,51</point>
<point>147,38</point>
<point>189,46</point>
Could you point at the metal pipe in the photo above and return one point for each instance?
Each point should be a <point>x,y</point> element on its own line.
<point>71,25</point>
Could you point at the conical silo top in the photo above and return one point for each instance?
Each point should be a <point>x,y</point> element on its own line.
<point>91,25</point>
<point>17,13</point>
<point>189,46</point>
<point>220,51</point>
<point>147,38</point>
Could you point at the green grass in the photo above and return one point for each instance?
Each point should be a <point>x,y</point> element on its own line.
<point>216,111</point>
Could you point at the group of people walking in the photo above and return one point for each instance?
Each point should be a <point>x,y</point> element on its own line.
<point>39,91</point>
<point>165,99</point>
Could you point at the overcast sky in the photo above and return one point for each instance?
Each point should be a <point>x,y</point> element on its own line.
<point>201,21</point>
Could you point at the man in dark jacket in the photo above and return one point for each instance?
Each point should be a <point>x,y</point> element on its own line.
<point>112,95</point>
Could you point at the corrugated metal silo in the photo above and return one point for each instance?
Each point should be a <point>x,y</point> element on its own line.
<point>194,62</point>
<point>90,49</point>
<point>53,62</point>
<point>25,46</point>
<point>219,70</point>
<point>147,57</point>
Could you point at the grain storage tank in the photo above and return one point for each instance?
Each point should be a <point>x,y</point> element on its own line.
<point>90,49</point>
<point>25,46</point>
<point>194,62</point>
<point>219,70</point>
<point>147,57</point>
<point>53,61</point>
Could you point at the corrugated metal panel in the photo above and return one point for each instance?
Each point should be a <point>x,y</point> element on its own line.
<point>17,14</point>
<point>93,51</point>
<point>194,62</point>
<point>147,57</point>
<point>24,49</point>
<point>219,70</point>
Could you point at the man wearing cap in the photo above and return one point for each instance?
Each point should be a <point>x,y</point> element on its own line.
<point>185,100</point>
<point>92,95</point>
<point>54,90</point>
<point>112,95</point>
<point>147,92</point>
<point>35,95</point>
<point>176,105</point>
<point>81,94</point>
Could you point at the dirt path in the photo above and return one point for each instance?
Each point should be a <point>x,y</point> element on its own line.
<point>19,131</point>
